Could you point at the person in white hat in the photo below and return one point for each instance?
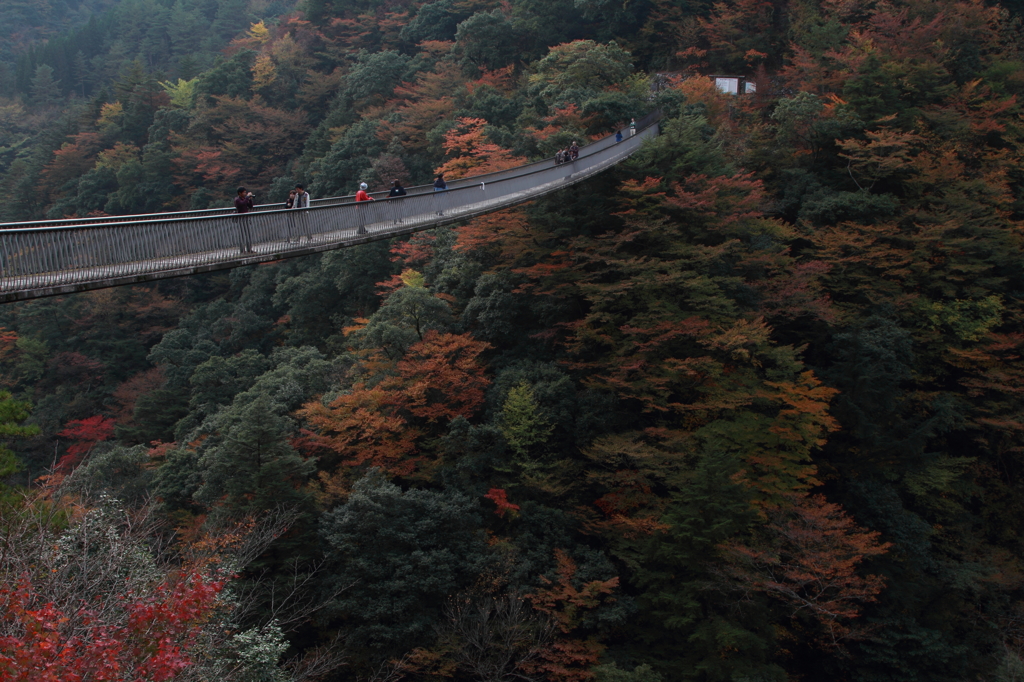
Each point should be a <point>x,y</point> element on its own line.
<point>361,195</point>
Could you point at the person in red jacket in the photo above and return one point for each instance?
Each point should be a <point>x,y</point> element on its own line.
<point>361,195</point>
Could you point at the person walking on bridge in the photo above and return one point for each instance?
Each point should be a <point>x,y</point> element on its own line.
<point>243,204</point>
<point>440,186</point>
<point>362,196</point>
<point>397,191</point>
<point>298,198</point>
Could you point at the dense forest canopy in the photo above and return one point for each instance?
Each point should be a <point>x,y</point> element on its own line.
<point>746,407</point>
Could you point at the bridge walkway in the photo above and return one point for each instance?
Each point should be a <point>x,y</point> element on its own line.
<point>49,258</point>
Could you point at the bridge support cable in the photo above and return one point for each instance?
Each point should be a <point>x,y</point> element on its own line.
<point>51,260</point>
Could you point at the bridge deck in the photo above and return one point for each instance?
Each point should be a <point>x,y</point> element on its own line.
<point>59,257</point>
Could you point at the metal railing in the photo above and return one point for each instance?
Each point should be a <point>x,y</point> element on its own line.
<point>587,150</point>
<point>54,259</point>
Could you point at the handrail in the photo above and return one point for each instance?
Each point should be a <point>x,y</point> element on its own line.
<point>41,261</point>
<point>586,150</point>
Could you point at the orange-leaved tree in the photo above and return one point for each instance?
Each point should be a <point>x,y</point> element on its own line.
<point>808,556</point>
<point>468,151</point>
<point>569,657</point>
<point>381,424</point>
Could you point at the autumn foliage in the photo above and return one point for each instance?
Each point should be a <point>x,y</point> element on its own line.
<point>85,433</point>
<point>469,152</point>
<point>745,406</point>
<point>809,560</point>
<point>151,639</point>
<point>501,504</point>
<point>568,658</point>
<point>439,378</point>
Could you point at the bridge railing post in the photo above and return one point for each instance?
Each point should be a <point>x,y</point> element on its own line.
<point>440,201</point>
<point>299,228</point>
<point>360,212</point>
<point>244,233</point>
<point>397,209</point>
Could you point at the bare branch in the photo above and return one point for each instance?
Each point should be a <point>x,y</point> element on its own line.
<point>388,671</point>
<point>317,662</point>
<point>495,637</point>
<point>290,600</point>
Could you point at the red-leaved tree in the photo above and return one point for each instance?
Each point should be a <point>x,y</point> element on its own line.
<point>86,433</point>
<point>149,638</point>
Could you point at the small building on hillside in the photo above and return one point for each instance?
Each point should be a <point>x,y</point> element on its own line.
<point>731,85</point>
<point>735,85</point>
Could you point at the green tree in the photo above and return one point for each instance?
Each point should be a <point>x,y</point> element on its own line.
<point>12,414</point>
<point>247,463</point>
<point>45,91</point>
<point>404,319</point>
<point>335,287</point>
<point>488,40</point>
<point>691,628</point>
<point>434,21</point>
<point>182,93</point>
<point>349,160</point>
<point>610,672</point>
<point>404,552</point>
<point>121,472</point>
<point>521,422</point>
<point>231,77</point>
<point>578,70</point>
<point>374,75</point>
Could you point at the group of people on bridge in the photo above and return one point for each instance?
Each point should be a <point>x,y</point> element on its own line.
<point>570,153</point>
<point>299,197</point>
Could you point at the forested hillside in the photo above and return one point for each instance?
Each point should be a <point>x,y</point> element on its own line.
<point>746,407</point>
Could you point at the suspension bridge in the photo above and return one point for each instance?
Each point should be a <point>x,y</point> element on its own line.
<point>53,257</point>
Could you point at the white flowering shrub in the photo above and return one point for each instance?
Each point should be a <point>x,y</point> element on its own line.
<point>254,654</point>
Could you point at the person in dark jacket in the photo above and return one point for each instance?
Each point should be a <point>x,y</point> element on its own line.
<point>396,191</point>
<point>243,202</point>
<point>440,186</point>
